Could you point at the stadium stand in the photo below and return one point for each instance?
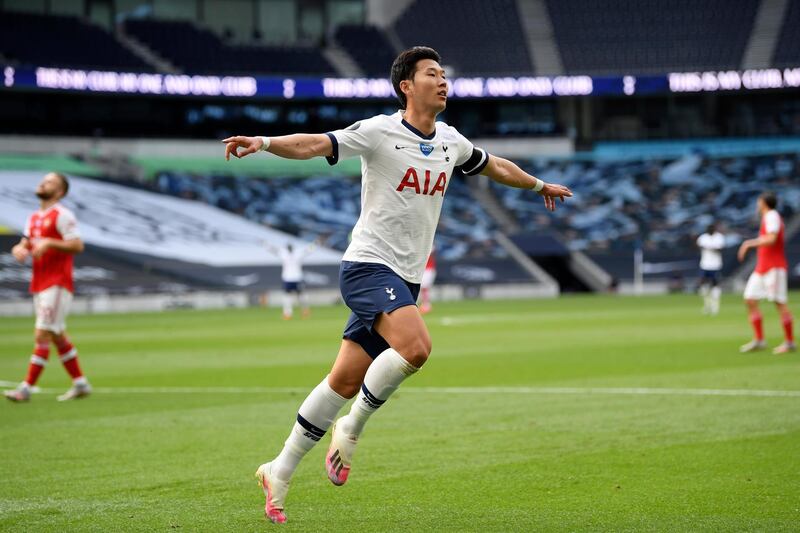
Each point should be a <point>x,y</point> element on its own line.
<point>368,46</point>
<point>648,36</point>
<point>197,50</point>
<point>469,41</point>
<point>660,205</point>
<point>787,49</point>
<point>64,41</point>
<point>329,207</point>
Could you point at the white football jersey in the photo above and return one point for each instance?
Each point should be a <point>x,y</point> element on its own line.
<point>404,177</point>
<point>711,245</point>
<point>292,263</point>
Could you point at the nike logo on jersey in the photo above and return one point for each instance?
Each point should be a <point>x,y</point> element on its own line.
<point>398,147</point>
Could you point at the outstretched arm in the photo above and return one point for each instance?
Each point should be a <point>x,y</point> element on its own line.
<point>506,172</point>
<point>296,146</point>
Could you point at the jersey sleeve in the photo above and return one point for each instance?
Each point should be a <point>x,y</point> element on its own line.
<point>718,241</point>
<point>471,159</point>
<point>772,222</point>
<point>356,140</point>
<point>67,225</point>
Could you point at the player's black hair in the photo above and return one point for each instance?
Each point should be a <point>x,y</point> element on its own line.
<point>769,199</point>
<point>711,228</point>
<point>405,65</point>
<point>64,182</point>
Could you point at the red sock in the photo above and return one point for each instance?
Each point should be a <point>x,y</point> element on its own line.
<point>69,358</point>
<point>786,319</point>
<point>756,321</point>
<point>38,361</point>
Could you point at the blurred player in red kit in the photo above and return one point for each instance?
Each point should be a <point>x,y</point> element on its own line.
<point>51,239</point>
<point>769,279</point>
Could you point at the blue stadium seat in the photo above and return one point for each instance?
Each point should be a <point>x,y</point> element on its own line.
<point>651,36</point>
<point>199,51</point>
<point>62,41</point>
<point>787,49</point>
<point>660,204</point>
<point>473,36</point>
<point>368,46</point>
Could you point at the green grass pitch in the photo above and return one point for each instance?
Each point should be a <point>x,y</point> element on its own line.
<point>575,414</point>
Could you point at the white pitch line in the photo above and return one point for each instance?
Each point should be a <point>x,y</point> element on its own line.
<point>625,391</point>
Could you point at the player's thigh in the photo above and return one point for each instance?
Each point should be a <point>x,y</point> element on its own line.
<point>777,285</point>
<point>406,332</point>
<point>52,307</point>
<point>756,288</point>
<point>349,369</point>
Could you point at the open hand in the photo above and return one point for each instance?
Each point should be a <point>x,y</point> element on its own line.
<point>551,191</point>
<point>251,145</point>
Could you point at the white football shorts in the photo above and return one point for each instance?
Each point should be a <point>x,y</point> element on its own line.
<point>772,285</point>
<point>52,307</point>
<point>428,277</point>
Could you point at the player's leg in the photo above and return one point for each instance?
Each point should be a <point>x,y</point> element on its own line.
<point>705,291</point>
<point>302,302</point>
<point>315,416</point>
<point>68,354</point>
<point>780,295</point>
<point>287,305</point>
<point>715,294</point>
<point>38,362</point>
<point>407,346</point>
<point>754,291</point>
<point>382,304</point>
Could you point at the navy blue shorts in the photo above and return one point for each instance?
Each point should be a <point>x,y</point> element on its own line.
<point>709,276</point>
<point>292,286</point>
<point>370,289</point>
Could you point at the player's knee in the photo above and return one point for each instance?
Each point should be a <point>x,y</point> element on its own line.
<point>418,350</point>
<point>42,336</point>
<point>344,387</point>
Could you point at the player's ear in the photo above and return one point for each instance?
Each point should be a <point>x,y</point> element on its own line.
<point>405,86</point>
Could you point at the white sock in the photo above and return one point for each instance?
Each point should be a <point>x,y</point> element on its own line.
<point>80,381</point>
<point>383,377</point>
<point>287,304</point>
<point>314,417</point>
<point>716,292</point>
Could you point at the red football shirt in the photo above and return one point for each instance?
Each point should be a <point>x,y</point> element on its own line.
<point>773,256</point>
<point>53,267</point>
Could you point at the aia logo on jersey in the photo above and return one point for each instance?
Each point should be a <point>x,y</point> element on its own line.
<point>426,149</point>
<point>411,180</point>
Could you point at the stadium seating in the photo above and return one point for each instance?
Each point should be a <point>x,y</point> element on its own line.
<point>661,205</point>
<point>197,50</point>
<point>787,49</point>
<point>478,38</point>
<point>368,46</point>
<point>329,207</point>
<point>651,36</point>
<point>63,41</point>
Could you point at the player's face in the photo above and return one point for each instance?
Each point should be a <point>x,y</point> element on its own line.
<point>761,207</point>
<point>429,86</point>
<point>50,187</point>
